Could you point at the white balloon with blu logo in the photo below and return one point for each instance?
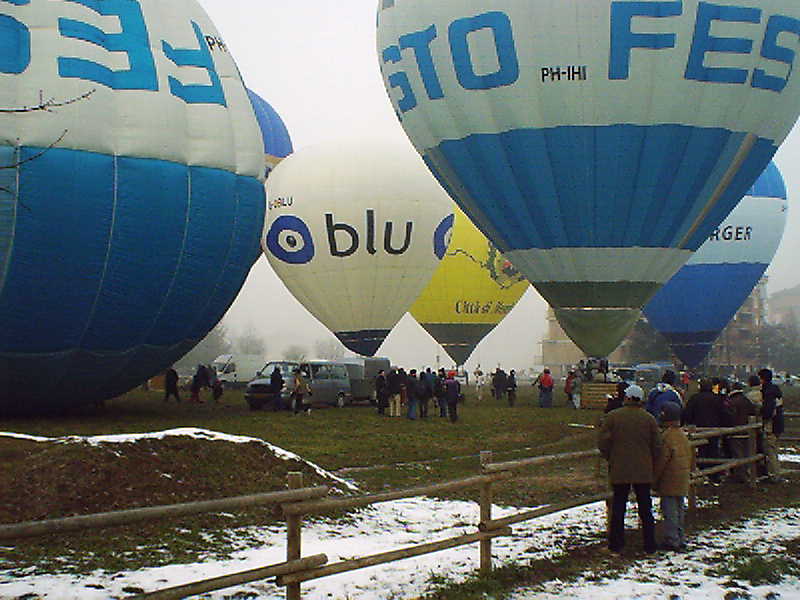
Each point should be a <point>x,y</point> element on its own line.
<point>356,229</point>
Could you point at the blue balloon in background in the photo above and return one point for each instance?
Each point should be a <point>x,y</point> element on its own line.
<point>131,211</point>
<point>695,305</point>
<point>277,142</point>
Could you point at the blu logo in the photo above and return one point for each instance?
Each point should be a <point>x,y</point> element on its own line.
<point>442,236</point>
<point>351,244</point>
<point>289,240</point>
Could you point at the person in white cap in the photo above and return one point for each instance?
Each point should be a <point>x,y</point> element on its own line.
<point>631,443</point>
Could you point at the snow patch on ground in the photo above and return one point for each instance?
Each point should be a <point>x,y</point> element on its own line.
<point>413,521</point>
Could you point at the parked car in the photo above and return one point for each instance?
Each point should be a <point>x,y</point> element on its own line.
<point>237,369</point>
<point>329,382</point>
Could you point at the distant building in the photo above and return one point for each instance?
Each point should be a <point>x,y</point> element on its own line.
<point>784,307</point>
<point>738,347</point>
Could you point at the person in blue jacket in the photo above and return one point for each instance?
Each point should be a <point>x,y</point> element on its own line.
<point>661,394</point>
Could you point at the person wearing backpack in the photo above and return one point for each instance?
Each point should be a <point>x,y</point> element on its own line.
<point>545,382</point>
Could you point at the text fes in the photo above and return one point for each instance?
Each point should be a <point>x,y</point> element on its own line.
<point>497,27</point>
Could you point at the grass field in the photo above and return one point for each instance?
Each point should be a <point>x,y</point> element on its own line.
<point>375,452</point>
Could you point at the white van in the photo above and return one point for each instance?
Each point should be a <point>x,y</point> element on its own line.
<point>237,369</point>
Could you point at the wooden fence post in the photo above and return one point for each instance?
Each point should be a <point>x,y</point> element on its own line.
<point>692,488</point>
<point>752,450</point>
<point>293,539</point>
<point>486,516</point>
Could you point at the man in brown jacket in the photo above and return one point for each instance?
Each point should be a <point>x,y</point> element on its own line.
<point>672,472</point>
<point>631,442</point>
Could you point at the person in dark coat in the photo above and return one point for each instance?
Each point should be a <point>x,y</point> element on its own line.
<point>425,392</point>
<point>276,384</point>
<point>630,441</point>
<point>511,387</point>
<point>413,388</point>
<point>394,388</point>
<point>499,383</point>
<point>706,409</point>
<point>381,392</point>
<point>737,411</point>
<point>453,395</point>
<point>772,417</point>
<point>440,393</point>
<point>171,384</point>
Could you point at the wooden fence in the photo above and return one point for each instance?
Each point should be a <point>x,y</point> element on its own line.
<point>298,501</point>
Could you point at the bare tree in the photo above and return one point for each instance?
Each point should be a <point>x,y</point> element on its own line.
<point>329,349</point>
<point>209,348</point>
<point>295,353</point>
<point>250,343</point>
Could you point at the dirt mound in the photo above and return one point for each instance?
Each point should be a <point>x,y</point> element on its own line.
<point>45,480</point>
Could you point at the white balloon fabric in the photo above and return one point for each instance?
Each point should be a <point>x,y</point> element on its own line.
<point>596,143</point>
<point>356,230</point>
<point>131,198</point>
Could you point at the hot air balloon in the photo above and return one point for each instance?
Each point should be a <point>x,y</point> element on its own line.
<point>277,143</point>
<point>695,305</point>
<point>131,198</point>
<point>596,143</point>
<point>473,289</point>
<point>355,229</point>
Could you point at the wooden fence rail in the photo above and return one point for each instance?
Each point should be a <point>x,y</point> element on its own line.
<point>150,513</point>
<point>298,501</point>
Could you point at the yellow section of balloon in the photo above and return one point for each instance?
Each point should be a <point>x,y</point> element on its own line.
<point>473,285</point>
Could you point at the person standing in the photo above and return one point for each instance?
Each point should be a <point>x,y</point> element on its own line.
<point>630,441</point>
<point>276,384</point>
<point>381,392</point>
<point>426,393</point>
<point>577,384</point>
<point>394,389</point>
<point>545,382</point>
<point>440,392</point>
<point>511,387</point>
<point>171,384</point>
<point>480,382</point>
<point>413,386</point>
<point>705,409</point>
<point>737,411</point>
<point>772,418</point>
<point>568,386</point>
<point>300,390</point>
<point>500,383</point>
<point>673,469</point>
<point>663,392</point>
<point>453,394</point>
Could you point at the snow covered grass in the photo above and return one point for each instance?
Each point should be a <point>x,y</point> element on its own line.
<point>703,573</point>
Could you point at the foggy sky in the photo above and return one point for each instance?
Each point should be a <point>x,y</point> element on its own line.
<point>315,62</point>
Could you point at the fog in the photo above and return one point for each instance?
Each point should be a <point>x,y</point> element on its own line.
<point>315,62</point>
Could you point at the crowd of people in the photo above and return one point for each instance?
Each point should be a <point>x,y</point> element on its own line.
<point>411,394</point>
<point>642,438</point>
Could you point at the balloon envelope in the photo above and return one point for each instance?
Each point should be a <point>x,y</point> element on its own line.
<point>132,210</point>
<point>277,142</point>
<point>473,289</point>
<point>596,144</point>
<point>355,230</point>
<point>695,305</point>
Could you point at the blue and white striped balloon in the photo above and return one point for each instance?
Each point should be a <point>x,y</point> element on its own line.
<point>125,242</point>
<point>597,143</point>
<point>277,142</point>
<point>695,305</point>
